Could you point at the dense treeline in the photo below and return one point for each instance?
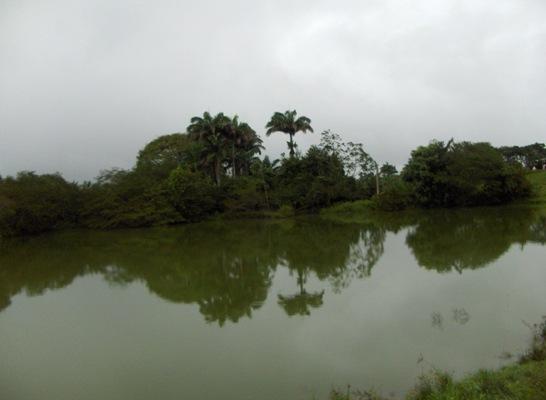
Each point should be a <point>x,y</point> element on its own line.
<point>216,167</point>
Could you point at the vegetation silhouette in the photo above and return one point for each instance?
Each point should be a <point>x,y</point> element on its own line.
<point>214,167</point>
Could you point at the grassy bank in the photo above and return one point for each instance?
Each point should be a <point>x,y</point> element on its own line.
<point>361,208</point>
<point>538,182</point>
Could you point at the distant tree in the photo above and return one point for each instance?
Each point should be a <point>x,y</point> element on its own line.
<point>32,203</point>
<point>288,123</point>
<point>357,163</point>
<point>211,132</point>
<point>240,135</point>
<point>462,174</point>
<point>533,155</point>
<point>315,180</point>
<point>388,170</point>
<point>192,194</point>
<point>126,198</point>
<point>164,154</point>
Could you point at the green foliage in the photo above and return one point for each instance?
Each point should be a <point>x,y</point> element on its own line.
<point>521,382</point>
<point>349,208</point>
<point>31,203</point>
<point>122,198</point>
<point>395,195</point>
<point>245,193</point>
<point>388,170</point>
<point>225,143</point>
<point>537,180</point>
<point>531,156</point>
<point>286,211</point>
<point>288,123</point>
<point>163,154</point>
<point>313,181</point>
<point>537,350</point>
<point>463,174</point>
<point>192,194</point>
<point>214,167</point>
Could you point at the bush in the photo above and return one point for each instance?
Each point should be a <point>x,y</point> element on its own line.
<point>192,194</point>
<point>395,195</point>
<point>313,181</point>
<point>463,174</point>
<point>31,203</point>
<point>245,193</point>
<point>129,199</point>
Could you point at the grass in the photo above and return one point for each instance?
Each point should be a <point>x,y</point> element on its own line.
<point>283,212</point>
<point>538,183</point>
<point>348,208</point>
<point>517,382</point>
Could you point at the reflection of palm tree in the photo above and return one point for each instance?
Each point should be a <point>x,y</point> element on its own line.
<point>369,250</point>
<point>300,303</point>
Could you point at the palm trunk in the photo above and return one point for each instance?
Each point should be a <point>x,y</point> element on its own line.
<point>291,145</point>
<point>217,171</point>
<point>233,166</point>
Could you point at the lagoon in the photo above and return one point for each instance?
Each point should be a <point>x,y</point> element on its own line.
<point>283,309</point>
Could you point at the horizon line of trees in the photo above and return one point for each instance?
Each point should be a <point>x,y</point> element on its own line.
<point>215,167</point>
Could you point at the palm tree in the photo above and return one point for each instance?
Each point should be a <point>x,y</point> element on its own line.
<point>289,124</point>
<point>211,131</point>
<point>242,138</point>
<point>247,150</point>
<point>300,303</point>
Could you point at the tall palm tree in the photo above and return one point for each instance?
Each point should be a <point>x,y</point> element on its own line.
<point>248,148</point>
<point>242,138</point>
<point>211,132</point>
<point>289,124</point>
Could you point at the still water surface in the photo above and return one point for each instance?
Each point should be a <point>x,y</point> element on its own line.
<point>267,310</point>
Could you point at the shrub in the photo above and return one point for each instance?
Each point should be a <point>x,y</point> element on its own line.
<point>395,195</point>
<point>31,203</point>
<point>463,174</point>
<point>192,194</point>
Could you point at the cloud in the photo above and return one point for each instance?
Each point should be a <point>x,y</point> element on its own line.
<point>84,85</point>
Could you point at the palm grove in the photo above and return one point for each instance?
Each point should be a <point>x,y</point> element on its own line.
<point>215,167</point>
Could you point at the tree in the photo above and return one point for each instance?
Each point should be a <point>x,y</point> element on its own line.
<point>191,193</point>
<point>357,163</point>
<point>533,155</point>
<point>211,132</point>
<point>164,154</point>
<point>243,138</point>
<point>388,170</point>
<point>32,203</point>
<point>246,144</point>
<point>462,174</point>
<point>289,124</point>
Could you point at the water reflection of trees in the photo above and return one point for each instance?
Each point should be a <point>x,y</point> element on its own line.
<point>455,240</point>
<point>225,269</point>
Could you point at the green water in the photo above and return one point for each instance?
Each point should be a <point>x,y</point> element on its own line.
<point>268,310</point>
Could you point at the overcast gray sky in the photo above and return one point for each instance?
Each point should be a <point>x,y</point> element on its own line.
<point>84,84</point>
